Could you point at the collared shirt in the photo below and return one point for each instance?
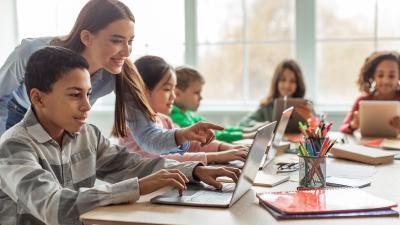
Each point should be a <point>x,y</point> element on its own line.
<point>43,183</point>
<point>146,132</point>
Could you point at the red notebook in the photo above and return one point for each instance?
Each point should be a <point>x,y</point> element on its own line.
<point>323,201</point>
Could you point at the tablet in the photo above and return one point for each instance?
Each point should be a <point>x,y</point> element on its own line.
<point>375,117</point>
<point>280,104</point>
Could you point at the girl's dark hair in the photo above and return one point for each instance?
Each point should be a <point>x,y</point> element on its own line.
<point>95,16</point>
<point>366,76</point>
<point>152,70</point>
<point>293,66</point>
<point>48,65</point>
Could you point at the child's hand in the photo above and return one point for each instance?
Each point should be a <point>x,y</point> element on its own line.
<point>355,121</point>
<point>209,174</point>
<point>163,178</point>
<point>249,135</point>
<point>304,111</point>
<point>228,155</point>
<point>395,122</point>
<point>200,131</point>
<point>226,146</point>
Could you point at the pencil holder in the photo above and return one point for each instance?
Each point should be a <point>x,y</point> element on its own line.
<point>312,171</point>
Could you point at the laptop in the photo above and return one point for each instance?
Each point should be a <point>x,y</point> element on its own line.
<point>281,104</point>
<point>375,117</point>
<point>205,195</point>
<point>279,133</point>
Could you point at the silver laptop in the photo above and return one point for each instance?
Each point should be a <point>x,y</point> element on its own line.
<point>279,133</point>
<point>206,195</point>
<point>375,117</point>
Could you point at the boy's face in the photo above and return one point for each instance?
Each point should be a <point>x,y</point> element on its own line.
<point>163,95</point>
<point>66,106</point>
<point>190,98</point>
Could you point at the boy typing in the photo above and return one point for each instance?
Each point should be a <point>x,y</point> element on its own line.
<point>51,159</point>
<point>188,96</point>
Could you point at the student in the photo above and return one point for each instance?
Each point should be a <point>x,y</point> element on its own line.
<point>103,35</point>
<point>286,81</point>
<point>49,161</point>
<point>160,81</point>
<point>188,96</point>
<point>378,80</point>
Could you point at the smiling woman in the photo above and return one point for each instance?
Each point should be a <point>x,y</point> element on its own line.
<point>103,35</point>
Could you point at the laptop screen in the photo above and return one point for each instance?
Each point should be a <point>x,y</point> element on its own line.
<point>250,168</point>
<point>280,132</point>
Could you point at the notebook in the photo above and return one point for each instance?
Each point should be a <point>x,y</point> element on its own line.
<point>375,117</point>
<point>362,154</point>
<point>369,213</point>
<point>269,180</point>
<point>385,143</point>
<point>205,195</point>
<point>329,200</point>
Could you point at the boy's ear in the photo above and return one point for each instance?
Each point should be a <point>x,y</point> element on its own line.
<point>86,37</point>
<point>36,97</point>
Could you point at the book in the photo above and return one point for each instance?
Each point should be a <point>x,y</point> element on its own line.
<point>362,154</point>
<point>319,200</point>
<point>369,213</point>
<point>385,143</point>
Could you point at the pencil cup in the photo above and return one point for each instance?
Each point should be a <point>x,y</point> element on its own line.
<point>312,171</point>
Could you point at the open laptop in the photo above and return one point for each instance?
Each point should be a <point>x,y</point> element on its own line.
<point>206,195</point>
<point>375,117</point>
<point>281,104</point>
<point>279,133</point>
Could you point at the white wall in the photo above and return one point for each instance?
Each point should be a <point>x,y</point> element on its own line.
<point>9,32</point>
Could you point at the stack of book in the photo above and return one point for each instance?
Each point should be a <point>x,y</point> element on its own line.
<point>325,203</point>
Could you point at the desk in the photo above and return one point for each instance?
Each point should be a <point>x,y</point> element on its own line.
<point>385,183</point>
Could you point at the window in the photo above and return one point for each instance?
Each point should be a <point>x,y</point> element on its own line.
<point>239,45</point>
<point>347,32</point>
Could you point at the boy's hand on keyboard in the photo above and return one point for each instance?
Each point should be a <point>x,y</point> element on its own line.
<point>209,174</point>
<point>163,178</point>
<point>200,131</point>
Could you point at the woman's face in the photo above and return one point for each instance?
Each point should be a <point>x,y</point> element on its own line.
<point>386,77</point>
<point>110,47</point>
<point>287,83</point>
<point>162,97</point>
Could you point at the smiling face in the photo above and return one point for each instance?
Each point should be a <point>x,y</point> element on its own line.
<point>109,47</point>
<point>287,83</point>
<point>386,77</point>
<point>66,106</point>
<point>163,95</point>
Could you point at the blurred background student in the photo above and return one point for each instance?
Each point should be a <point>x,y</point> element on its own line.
<point>287,81</point>
<point>188,96</point>
<point>378,80</point>
<point>160,81</point>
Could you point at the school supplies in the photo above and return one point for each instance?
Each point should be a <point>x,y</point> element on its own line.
<point>362,154</point>
<point>269,180</point>
<point>313,150</point>
<point>324,201</point>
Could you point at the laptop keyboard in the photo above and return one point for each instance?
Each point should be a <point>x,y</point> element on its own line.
<point>208,196</point>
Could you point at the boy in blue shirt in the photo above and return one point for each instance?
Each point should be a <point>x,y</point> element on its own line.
<point>50,160</point>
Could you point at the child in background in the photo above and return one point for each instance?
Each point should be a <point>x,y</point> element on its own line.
<point>50,160</point>
<point>160,81</point>
<point>287,81</point>
<point>378,80</point>
<point>188,96</point>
